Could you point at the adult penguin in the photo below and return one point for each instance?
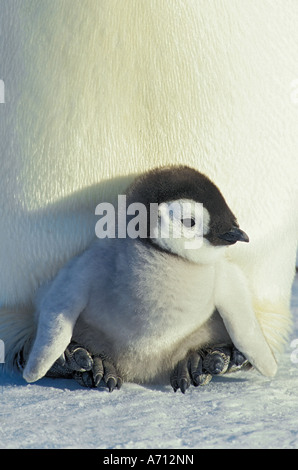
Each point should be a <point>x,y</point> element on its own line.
<point>98,92</point>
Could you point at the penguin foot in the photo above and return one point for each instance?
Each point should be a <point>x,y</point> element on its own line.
<point>224,359</point>
<point>88,370</point>
<point>102,372</point>
<point>74,359</point>
<point>198,368</point>
<point>216,361</point>
<point>189,371</point>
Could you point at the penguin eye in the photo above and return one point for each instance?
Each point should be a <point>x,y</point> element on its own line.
<point>188,222</point>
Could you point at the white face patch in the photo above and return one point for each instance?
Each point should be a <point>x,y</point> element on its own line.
<point>181,219</point>
<point>181,227</point>
<point>206,221</point>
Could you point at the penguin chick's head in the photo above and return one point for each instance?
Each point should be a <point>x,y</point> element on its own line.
<point>192,217</point>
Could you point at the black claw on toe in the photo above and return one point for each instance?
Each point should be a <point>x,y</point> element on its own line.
<point>238,361</point>
<point>98,370</point>
<point>110,375</point>
<point>85,379</point>
<point>237,357</point>
<point>198,376</point>
<point>189,371</point>
<point>119,383</point>
<point>103,372</point>
<point>184,385</point>
<point>111,384</point>
<point>199,367</point>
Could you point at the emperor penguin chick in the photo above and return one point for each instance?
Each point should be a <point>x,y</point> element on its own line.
<point>143,299</point>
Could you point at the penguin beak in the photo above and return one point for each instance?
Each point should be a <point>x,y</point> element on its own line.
<point>234,235</point>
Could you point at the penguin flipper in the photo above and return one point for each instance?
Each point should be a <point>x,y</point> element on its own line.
<point>58,310</point>
<point>234,304</point>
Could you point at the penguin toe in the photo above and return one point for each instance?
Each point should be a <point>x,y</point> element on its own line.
<point>85,379</point>
<point>78,358</point>
<point>216,360</point>
<point>75,359</point>
<point>111,378</point>
<point>198,375</point>
<point>180,377</point>
<point>102,374</point>
<point>198,367</point>
<point>238,361</point>
<point>189,371</point>
<point>88,370</point>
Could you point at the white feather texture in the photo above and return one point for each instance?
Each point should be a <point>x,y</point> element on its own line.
<point>96,92</point>
<point>144,308</point>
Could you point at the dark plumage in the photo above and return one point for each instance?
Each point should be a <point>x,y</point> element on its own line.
<point>181,182</point>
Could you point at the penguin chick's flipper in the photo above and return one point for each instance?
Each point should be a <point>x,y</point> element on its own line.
<point>103,371</point>
<point>58,311</point>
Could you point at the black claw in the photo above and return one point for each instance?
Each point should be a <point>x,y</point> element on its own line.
<point>88,380</point>
<point>84,378</point>
<point>173,380</point>
<point>98,370</point>
<point>198,379</point>
<point>195,367</point>
<point>238,358</point>
<point>174,386</point>
<point>97,379</point>
<point>184,384</point>
<point>111,384</point>
<point>238,361</point>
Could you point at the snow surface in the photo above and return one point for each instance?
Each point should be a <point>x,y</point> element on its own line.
<point>243,410</point>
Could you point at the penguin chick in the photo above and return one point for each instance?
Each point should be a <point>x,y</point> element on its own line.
<point>143,300</point>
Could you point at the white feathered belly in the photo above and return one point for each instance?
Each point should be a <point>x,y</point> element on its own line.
<point>148,332</point>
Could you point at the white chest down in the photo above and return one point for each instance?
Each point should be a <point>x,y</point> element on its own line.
<point>142,317</point>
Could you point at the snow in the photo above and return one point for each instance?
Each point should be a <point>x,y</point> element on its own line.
<point>243,410</point>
